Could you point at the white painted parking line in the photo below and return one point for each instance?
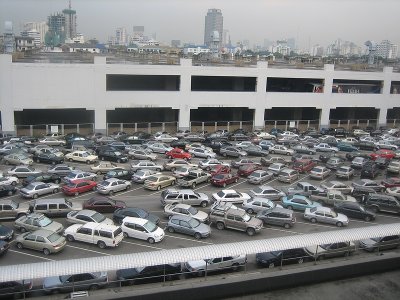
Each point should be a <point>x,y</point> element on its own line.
<point>36,256</point>
<point>192,240</point>
<point>142,245</point>
<point>89,250</point>
<point>317,224</point>
<point>387,216</point>
<point>365,222</point>
<point>283,230</point>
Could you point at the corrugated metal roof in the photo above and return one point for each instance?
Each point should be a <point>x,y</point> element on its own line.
<point>114,262</point>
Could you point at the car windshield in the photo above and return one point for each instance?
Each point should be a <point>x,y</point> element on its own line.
<point>53,237</point>
<point>246,218</point>
<point>43,222</point>
<point>342,170</point>
<point>30,187</point>
<point>150,226</point>
<point>98,218</point>
<point>152,178</point>
<point>219,176</point>
<point>70,184</point>
<point>194,223</point>
<point>221,194</point>
<point>192,210</point>
<point>117,231</point>
<point>14,204</point>
<point>314,209</point>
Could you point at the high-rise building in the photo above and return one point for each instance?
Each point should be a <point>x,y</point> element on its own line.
<point>40,27</point>
<point>56,33</point>
<point>70,22</point>
<point>386,50</point>
<point>8,37</point>
<point>120,36</point>
<point>213,22</point>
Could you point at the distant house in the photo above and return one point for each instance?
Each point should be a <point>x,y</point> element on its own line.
<point>81,48</point>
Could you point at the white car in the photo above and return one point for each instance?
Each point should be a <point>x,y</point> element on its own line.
<point>81,156</point>
<point>210,163</point>
<point>113,185</point>
<point>185,209</point>
<point>231,196</point>
<point>142,229</point>
<point>165,138</point>
<point>52,141</point>
<point>201,152</point>
<point>86,215</point>
<point>215,264</point>
<point>265,135</point>
<point>78,174</point>
<point>9,180</point>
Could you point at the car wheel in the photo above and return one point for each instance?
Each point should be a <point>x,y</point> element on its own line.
<point>200,273</point>
<point>158,187</point>
<point>101,244</point>
<point>70,238</point>
<point>220,226</point>
<point>71,160</point>
<point>197,236</point>
<point>94,287</point>
<point>6,162</point>
<point>236,180</point>
<point>55,191</point>
<point>224,184</point>
<point>173,169</point>
<point>111,193</point>
<point>235,267</point>
<point>118,161</point>
<point>13,183</point>
<point>35,196</point>
<point>286,225</point>
<point>290,207</point>
<point>98,172</point>
<point>76,194</point>
<point>321,257</point>
<point>375,209</point>
<point>250,211</point>
<point>311,153</point>
<point>151,240</point>
<point>224,154</point>
<point>171,229</point>
<point>125,234</point>
<point>339,224</point>
<point>203,204</point>
<point>102,158</point>
<point>193,185</point>
<point>173,182</point>
<point>169,157</point>
<point>313,220</point>
<point>251,231</point>
<point>287,153</point>
<point>46,251</point>
<point>346,254</point>
<point>367,219</point>
<point>22,229</point>
<point>271,265</point>
<point>10,193</point>
<point>272,152</point>
<point>88,162</point>
<point>20,246</point>
<point>300,260</point>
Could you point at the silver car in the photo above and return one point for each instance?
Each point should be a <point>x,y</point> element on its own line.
<point>208,164</point>
<point>84,216</point>
<point>255,205</point>
<point>9,209</point>
<point>188,225</point>
<point>325,215</point>
<point>232,151</point>
<point>37,221</point>
<point>174,196</point>
<point>22,171</point>
<point>141,175</point>
<point>201,152</point>
<point>68,283</point>
<point>61,170</point>
<point>145,164</point>
<point>36,189</point>
<point>344,172</point>
<point>17,159</point>
<point>268,192</point>
<point>259,176</point>
<point>78,174</point>
<point>143,154</point>
<point>319,172</point>
<point>42,240</point>
<point>380,243</point>
<point>186,210</point>
<point>279,149</point>
<point>331,250</point>
<point>160,148</point>
<point>113,185</point>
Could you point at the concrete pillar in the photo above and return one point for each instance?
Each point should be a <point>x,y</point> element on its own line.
<point>6,95</point>
<point>259,122</point>
<point>261,95</point>
<point>184,118</point>
<point>184,95</point>
<point>382,117</point>
<point>324,118</point>
<point>387,82</point>
<point>100,120</point>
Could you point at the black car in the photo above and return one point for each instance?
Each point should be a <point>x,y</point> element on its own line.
<point>61,170</point>
<point>7,190</point>
<point>14,289</point>
<point>360,193</point>
<point>324,157</point>
<point>370,170</point>
<point>181,144</point>
<point>350,155</point>
<point>47,158</point>
<point>103,148</point>
<point>382,162</point>
<point>365,145</point>
<point>354,210</point>
<point>119,174</point>
<point>135,212</point>
<point>4,246</point>
<point>118,145</point>
<point>6,233</point>
<point>283,257</point>
<point>149,274</point>
<point>43,177</point>
<point>217,144</point>
<point>137,138</point>
<point>112,155</point>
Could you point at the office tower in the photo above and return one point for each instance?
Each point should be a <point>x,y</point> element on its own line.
<point>120,36</point>
<point>40,27</point>
<point>213,22</point>
<point>70,22</point>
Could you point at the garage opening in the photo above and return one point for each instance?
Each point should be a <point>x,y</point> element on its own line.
<point>285,117</point>
<point>213,118</point>
<point>357,86</point>
<point>116,82</point>
<point>395,87</point>
<point>295,85</point>
<point>142,119</point>
<point>41,121</point>
<point>223,84</point>
<point>354,117</point>
<point>393,117</point>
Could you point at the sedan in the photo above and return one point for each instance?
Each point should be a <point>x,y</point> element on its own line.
<point>142,229</point>
<point>354,210</point>
<point>324,147</point>
<point>259,176</point>
<point>17,159</point>
<point>224,179</point>
<point>320,172</point>
<point>337,186</point>
<point>4,246</point>
<point>156,182</point>
<point>188,225</point>
<point>144,154</point>
<point>246,170</point>
<point>325,215</point>
<point>74,188</point>
<point>165,138</point>
<point>304,149</point>
<point>77,174</point>
<point>383,153</point>
<point>203,153</point>
<point>112,186</point>
<point>255,205</point>
<point>48,158</point>
<point>208,164</point>
<point>178,153</point>
<point>346,147</point>
<point>344,172</point>
<point>8,180</point>
<point>103,204</point>
<point>230,196</point>
<point>36,221</point>
<point>321,252</point>
<point>145,164</point>
<point>36,189</point>
<point>86,215</point>
<point>160,148</point>
<point>232,151</point>
<point>391,182</point>
<point>102,167</point>
<point>256,151</point>
<point>380,243</point>
<point>172,165</point>
<point>7,190</point>
<point>267,192</point>
<point>50,141</point>
<point>134,212</point>
<point>298,202</point>
<point>69,283</point>
<point>6,233</point>
<point>140,176</point>
<point>185,210</point>
<point>42,240</point>
<point>279,149</point>
<point>368,184</point>
<point>61,170</point>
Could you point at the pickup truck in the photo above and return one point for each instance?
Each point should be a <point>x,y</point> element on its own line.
<point>305,189</point>
<point>332,197</point>
<point>194,178</point>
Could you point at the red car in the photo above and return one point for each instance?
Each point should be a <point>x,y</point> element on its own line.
<point>223,179</point>
<point>304,165</point>
<point>246,170</point>
<point>391,182</point>
<point>178,153</point>
<point>383,153</point>
<point>220,169</point>
<point>76,187</point>
<point>103,204</point>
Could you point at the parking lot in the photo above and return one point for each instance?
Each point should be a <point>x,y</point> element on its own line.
<point>137,196</point>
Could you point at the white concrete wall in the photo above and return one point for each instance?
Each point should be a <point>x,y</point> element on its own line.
<point>41,86</point>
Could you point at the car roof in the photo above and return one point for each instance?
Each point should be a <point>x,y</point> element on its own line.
<point>138,221</point>
<point>43,232</point>
<point>182,205</point>
<point>181,217</point>
<point>323,208</point>
<point>86,212</point>
<point>99,226</point>
<point>228,191</point>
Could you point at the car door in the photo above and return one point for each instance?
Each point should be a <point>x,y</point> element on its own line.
<point>185,228</point>
<point>193,199</point>
<point>29,241</point>
<point>84,235</point>
<point>214,264</point>
<point>320,216</point>
<point>7,211</point>
<point>140,232</point>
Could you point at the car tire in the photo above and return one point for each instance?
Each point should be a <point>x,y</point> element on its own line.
<point>235,267</point>
<point>200,273</point>
<point>287,153</point>
<point>151,240</point>
<point>71,160</point>
<point>88,162</point>
<point>98,172</point>
<point>224,185</point>
<point>10,193</point>
<point>46,251</point>
<point>271,265</point>
<point>124,233</point>
<point>321,257</point>
<point>203,204</point>
<point>173,182</point>
<point>118,161</point>
<point>101,244</point>
<point>300,260</point>
<point>224,154</point>
<point>35,196</point>
<point>20,246</point>
<point>171,229</point>
<point>290,207</point>
<point>13,183</point>
<point>339,224</point>
<point>375,209</point>
<point>250,231</point>
<point>111,193</point>
<point>94,287</point>
<point>193,185</point>
<point>286,225</point>
<point>311,153</point>
<point>197,236</point>
<point>220,226</point>
<point>250,211</point>
<point>70,238</point>
<point>55,191</point>
<point>272,152</point>
<point>367,219</point>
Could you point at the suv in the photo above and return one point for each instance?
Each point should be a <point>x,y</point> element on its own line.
<point>236,219</point>
<point>58,207</point>
<point>379,202</point>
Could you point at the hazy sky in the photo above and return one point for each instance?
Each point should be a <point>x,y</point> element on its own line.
<point>308,21</point>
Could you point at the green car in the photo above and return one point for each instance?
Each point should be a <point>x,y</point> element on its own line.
<point>346,147</point>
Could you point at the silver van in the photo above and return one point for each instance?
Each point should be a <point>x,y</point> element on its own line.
<point>58,207</point>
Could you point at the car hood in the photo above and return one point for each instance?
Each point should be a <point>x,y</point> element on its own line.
<point>51,282</point>
<point>203,196</point>
<point>77,206</point>
<point>201,215</point>
<point>107,221</point>
<point>54,226</point>
<point>368,242</point>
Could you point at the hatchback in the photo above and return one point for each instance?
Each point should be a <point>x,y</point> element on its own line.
<point>188,225</point>
<point>255,205</point>
<point>142,229</point>
<point>320,172</point>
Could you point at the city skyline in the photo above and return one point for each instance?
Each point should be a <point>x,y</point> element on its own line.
<point>353,20</point>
